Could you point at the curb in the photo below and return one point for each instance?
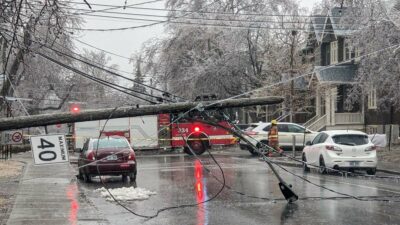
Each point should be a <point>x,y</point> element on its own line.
<point>291,164</point>
<point>388,171</point>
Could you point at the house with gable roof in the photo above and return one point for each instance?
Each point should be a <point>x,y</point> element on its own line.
<point>335,63</point>
<point>335,69</point>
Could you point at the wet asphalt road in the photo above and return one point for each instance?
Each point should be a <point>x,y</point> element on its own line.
<point>176,182</point>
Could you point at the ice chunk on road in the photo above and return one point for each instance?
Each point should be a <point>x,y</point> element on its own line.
<point>125,193</point>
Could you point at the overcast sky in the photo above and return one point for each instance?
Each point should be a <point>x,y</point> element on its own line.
<point>125,43</point>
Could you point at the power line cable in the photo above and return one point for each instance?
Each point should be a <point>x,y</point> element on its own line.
<point>210,19</point>
<point>209,25</point>
<point>159,210</point>
<point>216,12</point>
<point>185,23</point>
<point>102,82</point>
<point>98,80</point>
<point>111,72</point>
<point>97,48</point>
<point>179,22</point>
<point>195,18</point>
<point>114,7</point>
<point>286,170</point>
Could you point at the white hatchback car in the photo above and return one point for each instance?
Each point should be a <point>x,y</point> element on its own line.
<point>341,149</point>
<point>258,132</point>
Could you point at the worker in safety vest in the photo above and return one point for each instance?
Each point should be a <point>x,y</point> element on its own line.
<point>273,141</point>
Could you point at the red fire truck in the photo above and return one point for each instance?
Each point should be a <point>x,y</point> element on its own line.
<point>199,136</point>
<point>157,132</point>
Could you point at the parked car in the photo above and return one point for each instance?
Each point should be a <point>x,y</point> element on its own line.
<point>243,126</point>
<point>258,132</point>
<point>107,156</point>
<point>341,149</point>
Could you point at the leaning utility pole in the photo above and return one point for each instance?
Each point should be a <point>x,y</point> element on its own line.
<point>110,113</point>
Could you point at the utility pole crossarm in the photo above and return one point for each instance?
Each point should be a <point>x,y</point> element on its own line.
<point>101,114</point>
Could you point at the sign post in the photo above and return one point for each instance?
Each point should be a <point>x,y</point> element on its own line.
<point>49,149</point>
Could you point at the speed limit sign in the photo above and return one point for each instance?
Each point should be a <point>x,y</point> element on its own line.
<point>49,149</point>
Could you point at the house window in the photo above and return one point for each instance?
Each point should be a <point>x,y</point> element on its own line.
<point>358,52</point>
<point>372,99</point>
<point>334,52</point>
<point>349,51</point>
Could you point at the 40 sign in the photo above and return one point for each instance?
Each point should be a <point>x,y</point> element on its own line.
<point>49,149</point>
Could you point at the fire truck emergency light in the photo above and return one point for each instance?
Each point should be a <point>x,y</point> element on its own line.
<point>75,109</point>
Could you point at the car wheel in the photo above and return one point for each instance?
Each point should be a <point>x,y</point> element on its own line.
<point>252,151</point>
<point>124,177</point>
<point>259,146</point>
<point>80,175</point>
<point>371,171</point>
<point>132,177</point>
<point>305,167</point>
<point>87,178</point>
<point>322,169</point>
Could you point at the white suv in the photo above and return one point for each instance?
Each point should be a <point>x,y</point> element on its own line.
<point>258,132</point>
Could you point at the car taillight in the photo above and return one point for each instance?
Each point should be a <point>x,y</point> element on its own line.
<point>333,148</point>
<point>131,155</point>
<point>251,132</point>
<point>371,148</point>
<point>91,156</point>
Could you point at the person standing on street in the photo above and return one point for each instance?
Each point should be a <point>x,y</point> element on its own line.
<point>273,141</point>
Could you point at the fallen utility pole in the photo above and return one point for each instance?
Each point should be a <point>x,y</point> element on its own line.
<point>286,188</point>
<point>139,110</point>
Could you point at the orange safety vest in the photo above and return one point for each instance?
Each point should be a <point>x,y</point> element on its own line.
<point>273,136</point>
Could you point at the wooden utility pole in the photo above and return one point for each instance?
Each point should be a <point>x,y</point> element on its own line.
<point>101,114</point>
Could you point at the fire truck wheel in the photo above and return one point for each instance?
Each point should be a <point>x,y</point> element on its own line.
<point>197,146</point>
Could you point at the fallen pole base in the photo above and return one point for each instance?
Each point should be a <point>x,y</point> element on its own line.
<point>287,191</point>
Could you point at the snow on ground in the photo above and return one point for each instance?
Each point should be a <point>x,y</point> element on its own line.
<point>125,193</point>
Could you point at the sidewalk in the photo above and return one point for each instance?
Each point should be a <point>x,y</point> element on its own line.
<point>49,194</point>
